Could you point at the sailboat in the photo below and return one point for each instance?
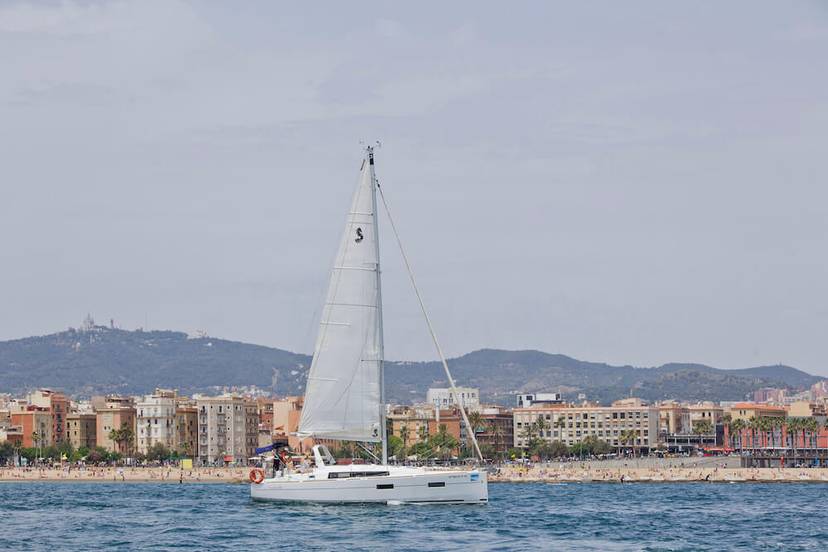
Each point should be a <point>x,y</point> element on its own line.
<point>345,393</point>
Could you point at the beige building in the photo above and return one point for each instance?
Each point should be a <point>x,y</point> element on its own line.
<point>673,418</point>
<point>570,424</point>
<point>805,409</point>
<point>114,413</point>
<point>746,411</point>
<point>81,430</point>
<point>705,411</point>
<point>286,415</point>
<point>415,423</point>
<point>186,430</point>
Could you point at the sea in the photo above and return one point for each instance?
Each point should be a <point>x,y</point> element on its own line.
<point>38,516</point>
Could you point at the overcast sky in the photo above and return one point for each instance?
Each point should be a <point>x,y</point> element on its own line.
<point>623,182</point>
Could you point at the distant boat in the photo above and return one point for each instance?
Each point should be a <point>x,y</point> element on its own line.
<point>345,395</point>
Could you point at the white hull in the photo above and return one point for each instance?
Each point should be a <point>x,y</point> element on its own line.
<point>401,485</point>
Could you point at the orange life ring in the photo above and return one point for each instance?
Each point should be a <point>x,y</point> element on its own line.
<point>257,475</point>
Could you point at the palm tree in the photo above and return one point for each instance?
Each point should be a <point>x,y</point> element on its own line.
<point>628,436</point>
<point>404,436</point>
<point>792,425</point>
<point>121,436</point>
<point>811,427</point>
<point>115,436</point>
<point>36,439</point>
<point>476,422</point>
<point>766,428</point>
<point>735,430</point>
<point>778,424</point>
<point>703,427</point>
<point>753,426</point>
<point>529,432</point>
<point>444,442</point>
<point>497,434</point>
<point>541,426</point>
<point>128,437</point>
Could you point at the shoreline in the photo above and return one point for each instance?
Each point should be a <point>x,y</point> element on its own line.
<point>594,474</point>
<point>170,475</point>
<point>563,473</point>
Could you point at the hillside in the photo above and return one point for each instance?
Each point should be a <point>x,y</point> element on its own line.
<point>104,360</point>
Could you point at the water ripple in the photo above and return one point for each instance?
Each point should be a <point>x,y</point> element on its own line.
<point>652,517</point>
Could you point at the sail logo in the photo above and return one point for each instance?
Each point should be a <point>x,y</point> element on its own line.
<point>359,235</point>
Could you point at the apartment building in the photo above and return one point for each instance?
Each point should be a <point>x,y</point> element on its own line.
<point>58,406</point>
<point>746,411</point>
<point>81,430</point>
<point>570,424</point>
<point>114,413</point>
<point>185,440</point>
<point>705,412</point>
<point>36,425</point>
<point>222,435</point>
<point>251,427</point>
<point>414,424</point>
<point>155,420</point>
<point>286,415</point>
<point>498,429</point>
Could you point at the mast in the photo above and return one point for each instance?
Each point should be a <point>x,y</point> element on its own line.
<point>380,338</point>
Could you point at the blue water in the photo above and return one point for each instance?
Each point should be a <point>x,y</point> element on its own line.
<point>689,516</point>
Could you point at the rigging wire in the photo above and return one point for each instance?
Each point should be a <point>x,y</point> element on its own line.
<point>452,386</point>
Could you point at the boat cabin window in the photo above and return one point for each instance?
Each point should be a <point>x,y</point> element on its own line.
<point>346,475</point>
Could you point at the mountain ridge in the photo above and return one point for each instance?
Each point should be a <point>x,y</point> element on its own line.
<point>98,359</point>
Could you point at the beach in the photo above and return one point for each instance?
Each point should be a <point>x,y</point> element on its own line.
<point>161,474</point>
<point>714,472</point>
<point>640,471</point>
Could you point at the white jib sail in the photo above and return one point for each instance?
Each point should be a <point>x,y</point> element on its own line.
<point>343,392</point>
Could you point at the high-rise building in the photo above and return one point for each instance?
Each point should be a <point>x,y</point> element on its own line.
<point>251,427</point>
<point>222,435</point>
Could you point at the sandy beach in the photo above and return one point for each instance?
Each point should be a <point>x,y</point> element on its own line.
<point>564,473</point>
<point>108,474</point>
<point>584,473</point>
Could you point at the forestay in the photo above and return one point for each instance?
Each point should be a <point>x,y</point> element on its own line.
<point>343,391</point>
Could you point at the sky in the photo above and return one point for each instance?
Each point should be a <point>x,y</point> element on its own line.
<point>633,183</point>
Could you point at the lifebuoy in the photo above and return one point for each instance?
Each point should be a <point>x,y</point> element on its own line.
<point>257,475</point>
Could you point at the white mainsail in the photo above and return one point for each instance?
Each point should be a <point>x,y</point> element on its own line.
<point>343,394</point>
